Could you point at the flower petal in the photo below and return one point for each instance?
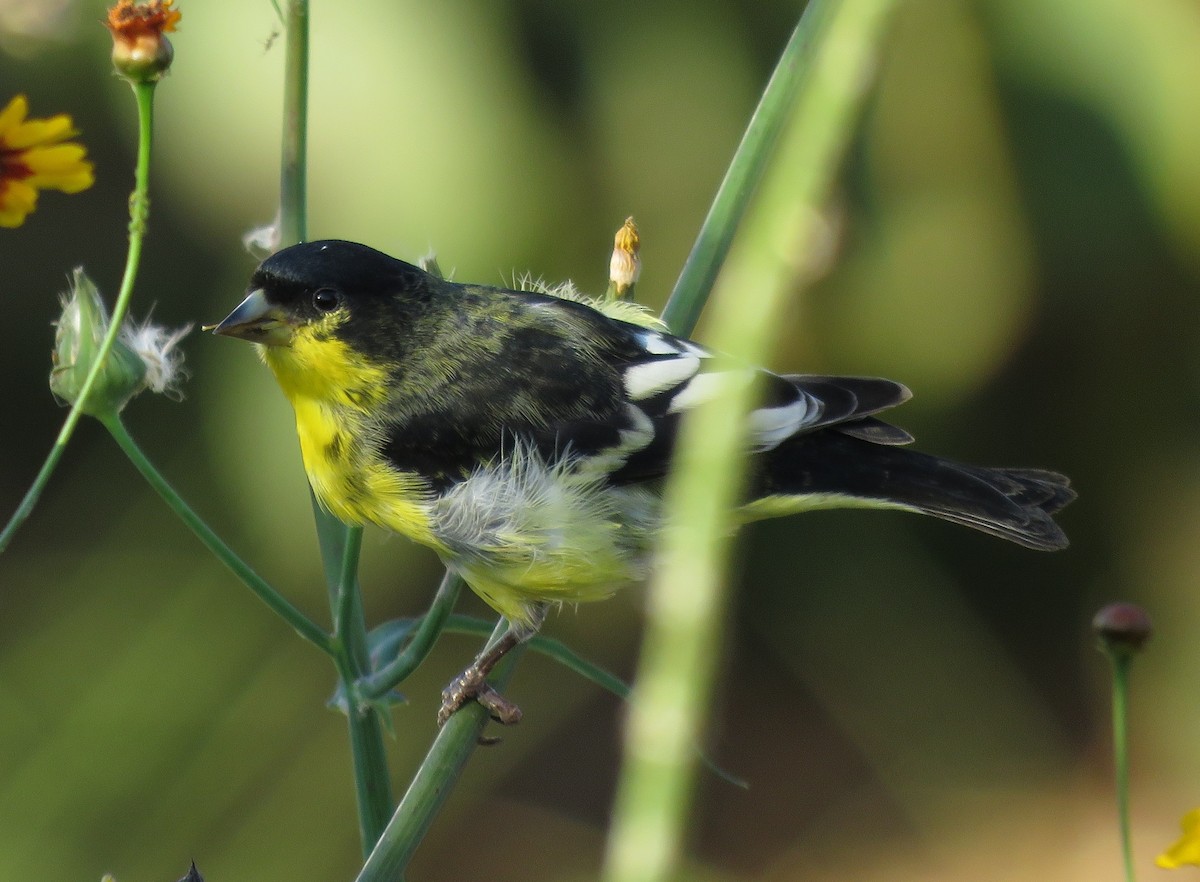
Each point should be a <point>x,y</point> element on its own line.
<point>13,114</point>
<point>61,167</point>
<point>1187,849</point>
<point>38,131</point>
<point>17,199</point>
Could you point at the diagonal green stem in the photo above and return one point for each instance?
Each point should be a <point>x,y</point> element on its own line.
<point>741,178</point>
<point>304,626</point>
<point>433,782</point>
<point>687,596</point>
<point>139,213</point>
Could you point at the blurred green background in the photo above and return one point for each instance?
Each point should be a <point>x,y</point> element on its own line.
<point>1017,238</point>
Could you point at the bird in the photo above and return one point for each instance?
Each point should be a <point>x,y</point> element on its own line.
<point>524,435</point>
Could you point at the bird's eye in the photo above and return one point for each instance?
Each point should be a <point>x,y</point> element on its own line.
<point>326,299</point>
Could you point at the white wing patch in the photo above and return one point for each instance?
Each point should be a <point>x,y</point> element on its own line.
<point>690,387</point>
<point>651,377</point>
<point>771,426</point>
<point>633,438</point>
<point>657,344</point>
<point>639,434</point>
<point>702,388</point>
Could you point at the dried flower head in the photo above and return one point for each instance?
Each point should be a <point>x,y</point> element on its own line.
<point>158,348</point>
<point>625,265</point>
<point>141,52</point>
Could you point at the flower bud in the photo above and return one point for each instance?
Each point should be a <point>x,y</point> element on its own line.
<point>1123,628</point>
<point>142,357</point>
<point>625,265</point>
<point>141,52</point>
<point>81,329</point>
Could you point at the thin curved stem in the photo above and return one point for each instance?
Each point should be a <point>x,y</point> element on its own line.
<point>279,604</point>
<point>139,214</point>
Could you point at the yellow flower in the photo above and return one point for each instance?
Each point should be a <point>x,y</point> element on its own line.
<point>1187,849</point>
<point>36,155</point>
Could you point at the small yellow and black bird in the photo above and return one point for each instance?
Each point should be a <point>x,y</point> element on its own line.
<point>523,435</point>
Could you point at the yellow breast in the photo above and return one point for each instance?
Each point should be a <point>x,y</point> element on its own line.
<point>335,392</point>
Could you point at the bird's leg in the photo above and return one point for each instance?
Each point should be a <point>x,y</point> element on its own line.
<point>472,683</point>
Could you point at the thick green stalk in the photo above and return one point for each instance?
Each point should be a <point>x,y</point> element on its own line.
<point>433,782</point>
<point>139,214</point>
<point>687,597</point>
<point>339,543</point>
<point>304,626</point>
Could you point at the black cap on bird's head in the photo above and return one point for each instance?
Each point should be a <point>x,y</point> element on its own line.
<point>327,282</point>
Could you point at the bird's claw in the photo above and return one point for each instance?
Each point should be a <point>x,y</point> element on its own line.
<point>472,684</point>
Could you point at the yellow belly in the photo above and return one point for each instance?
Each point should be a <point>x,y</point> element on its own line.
<point>353,483</point>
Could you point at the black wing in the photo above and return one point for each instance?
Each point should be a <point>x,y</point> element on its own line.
<point>566,380</point>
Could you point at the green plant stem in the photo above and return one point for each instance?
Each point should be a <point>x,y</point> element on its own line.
<point>279,604</point>
<point>372,780</point>
<point>378,684</point>
<point>339,543</point>
<point>1120,664</point>
<point>139,214</point>
<point>345,608</point>
<point>293,192</point>
<point>687,598</point>
<point>433,782</point>
<point>741,179</point>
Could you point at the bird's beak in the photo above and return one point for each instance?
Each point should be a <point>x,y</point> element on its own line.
<point>256,320</point>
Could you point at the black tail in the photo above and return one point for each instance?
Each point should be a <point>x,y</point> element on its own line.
<point>839,466</point>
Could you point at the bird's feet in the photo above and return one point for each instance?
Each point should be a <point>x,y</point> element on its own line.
<point>472,684</point>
